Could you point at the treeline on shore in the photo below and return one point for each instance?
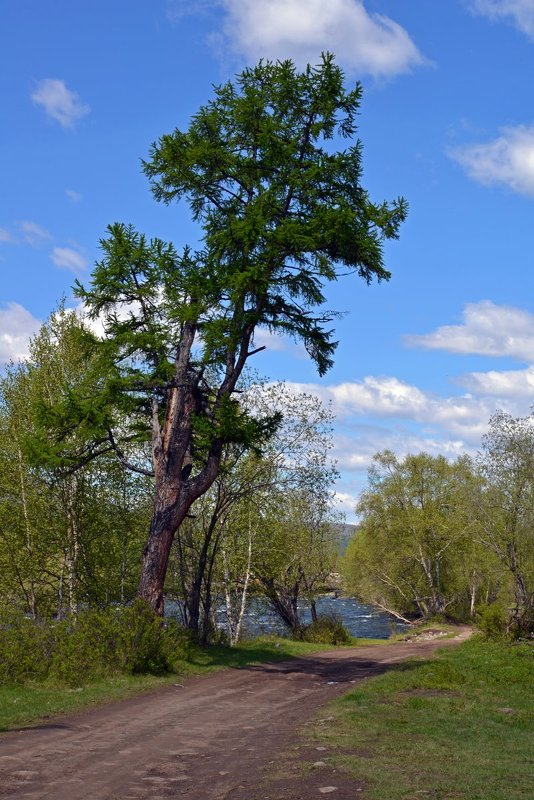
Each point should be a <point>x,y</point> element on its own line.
<point>436,539</point>
<point>452,539</point>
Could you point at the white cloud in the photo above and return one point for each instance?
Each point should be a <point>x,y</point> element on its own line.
<point>73,196</point>
<point>487,329</point>
<point>5,235</point>
<point>507,160</point>
<point>271,341</point>
<point>385,412</point>
<point>362,41</point>
<point>67,258</point>
<point>345,502</point>
<point>123,311</point>
<point>521,12</point>
<point>355,452</point>
<point>517,384</point>
<point>94,325</point>
<point>33,233</point>
<point>464,417</point>
<point>377,396</point>
<point>384,396</point>
<point>17,325</point>
<point>60,104</point>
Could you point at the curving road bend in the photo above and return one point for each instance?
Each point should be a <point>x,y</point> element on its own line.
<point>211,739</point>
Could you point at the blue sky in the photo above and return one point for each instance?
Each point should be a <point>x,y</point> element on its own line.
<point>447,121</point>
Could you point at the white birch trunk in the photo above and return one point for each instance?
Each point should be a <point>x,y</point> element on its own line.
<point>73,544</point>
<point>244,593</point>
<point>28,535</point>
<point>228,597</point>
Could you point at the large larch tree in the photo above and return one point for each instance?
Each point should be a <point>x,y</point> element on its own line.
<point>281,212</point>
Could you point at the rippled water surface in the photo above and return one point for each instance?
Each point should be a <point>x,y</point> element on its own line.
<point>359,619</point>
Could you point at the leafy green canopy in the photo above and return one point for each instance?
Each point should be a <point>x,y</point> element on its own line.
<point>416,550</point>
<point>281,213</point>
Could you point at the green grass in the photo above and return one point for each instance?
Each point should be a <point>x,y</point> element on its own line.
<point>445,629</point>
<point>21,706</point>
<point>458,726</point>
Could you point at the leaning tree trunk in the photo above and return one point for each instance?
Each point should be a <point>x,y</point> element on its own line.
<point>173,493</point>
<point>172,500</point>
<point>200,593</point>
<point>163,527</point>
<point>244,591</point>
<point>175,489</point>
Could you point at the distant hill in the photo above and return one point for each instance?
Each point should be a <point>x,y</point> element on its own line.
<point>345,533</point>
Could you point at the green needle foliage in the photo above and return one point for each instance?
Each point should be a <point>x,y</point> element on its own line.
<point>280,212</point>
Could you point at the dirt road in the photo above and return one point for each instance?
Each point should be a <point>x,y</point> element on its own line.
<point>215,738</point>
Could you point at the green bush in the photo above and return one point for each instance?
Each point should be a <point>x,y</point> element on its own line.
<point>493,621</point>
<point>327,629</point>
<point>96,643</point>
<point>84,648</point>
<point>26,647</point>
<point>148,645</point>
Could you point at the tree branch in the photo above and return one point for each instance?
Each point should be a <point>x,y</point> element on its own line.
<point>124,461</point>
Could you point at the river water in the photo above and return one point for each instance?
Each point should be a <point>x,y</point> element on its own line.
<point>358,618</point>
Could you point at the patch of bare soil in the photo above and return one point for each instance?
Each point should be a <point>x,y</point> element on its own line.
<point>220,737</point>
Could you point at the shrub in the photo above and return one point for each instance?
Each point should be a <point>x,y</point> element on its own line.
<point>147,644</point>
<point>493,621</point>
<point>327,629</point>
<point>26,647</point>
<point>521,624</point>
<point>97,643</point>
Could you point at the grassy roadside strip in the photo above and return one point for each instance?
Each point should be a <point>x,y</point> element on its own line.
<point>458,726</point>
<point>426,630</point>
<point>23,705</point>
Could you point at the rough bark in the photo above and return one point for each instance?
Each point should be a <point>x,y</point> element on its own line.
<point>175,489</point>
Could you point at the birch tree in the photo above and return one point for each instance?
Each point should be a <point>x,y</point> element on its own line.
<point>226,522</point>
<point>70,523</point>
<point>295,552</point>
<point>506,509</point>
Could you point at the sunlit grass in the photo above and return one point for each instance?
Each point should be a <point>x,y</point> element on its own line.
<point>458,726</point>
